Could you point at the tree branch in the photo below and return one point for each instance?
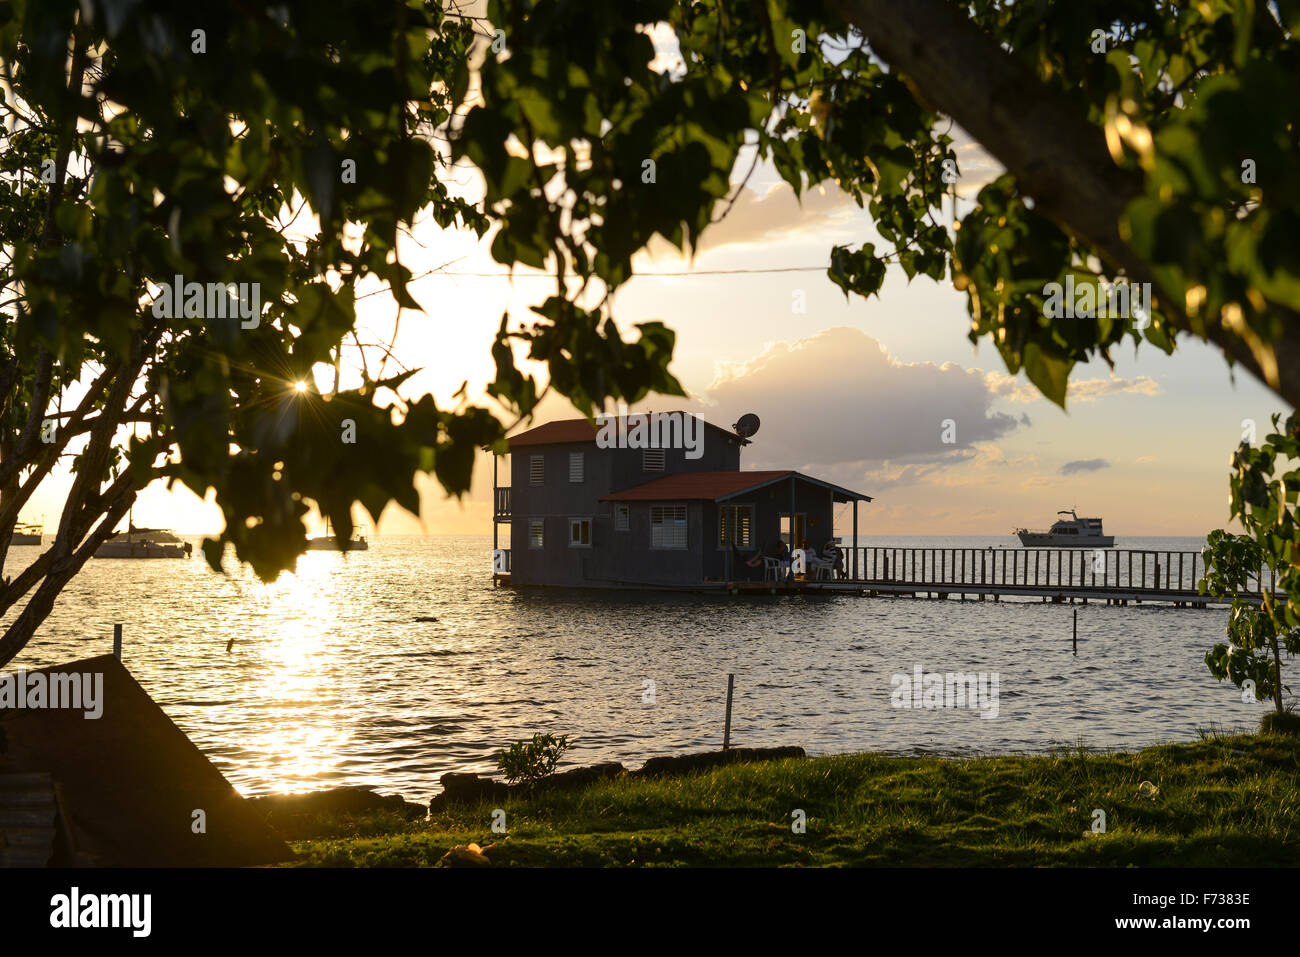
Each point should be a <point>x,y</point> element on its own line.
<point>1057,156</point>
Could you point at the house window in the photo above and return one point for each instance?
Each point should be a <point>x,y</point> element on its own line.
<point>652,460</point>
<point>535,538</point>
<point>575,466</point>
<point>744,520</point>
<point>536,470</point>
<point>622,518</point>
<point>667,526</point>
<point>579,533</point>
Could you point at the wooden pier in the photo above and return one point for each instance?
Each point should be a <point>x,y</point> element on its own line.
<point>1114,576</point>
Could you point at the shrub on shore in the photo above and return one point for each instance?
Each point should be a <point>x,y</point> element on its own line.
<point>1281,722</point>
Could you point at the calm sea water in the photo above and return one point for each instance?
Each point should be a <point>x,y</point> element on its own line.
<point>331,680</point>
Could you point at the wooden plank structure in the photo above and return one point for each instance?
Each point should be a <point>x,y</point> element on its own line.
<point>125,787</point>
<point>1115,576</point>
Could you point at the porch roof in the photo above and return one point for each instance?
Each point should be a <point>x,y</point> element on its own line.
<point>720,487</point>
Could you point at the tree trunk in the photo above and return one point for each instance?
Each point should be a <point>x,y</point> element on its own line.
<point>1277,676</point>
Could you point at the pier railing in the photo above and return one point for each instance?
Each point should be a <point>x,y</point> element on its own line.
<point>1065,568</point>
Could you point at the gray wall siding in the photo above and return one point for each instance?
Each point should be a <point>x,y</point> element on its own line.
<point>614,557</point>
<point>554,502</point>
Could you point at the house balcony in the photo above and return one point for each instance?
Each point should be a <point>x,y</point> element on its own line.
<point>501,506</point>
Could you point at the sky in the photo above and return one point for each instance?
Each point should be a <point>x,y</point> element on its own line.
<point>859,392</point>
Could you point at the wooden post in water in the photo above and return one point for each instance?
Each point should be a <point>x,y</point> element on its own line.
<point>117,642</point>
<point>726,733</point>
<point>1075,639</point>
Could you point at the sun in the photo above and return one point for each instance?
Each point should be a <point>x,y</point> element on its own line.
<point>300,387</point>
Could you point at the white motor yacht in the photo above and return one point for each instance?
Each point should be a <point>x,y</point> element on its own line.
<point>1072,532</point>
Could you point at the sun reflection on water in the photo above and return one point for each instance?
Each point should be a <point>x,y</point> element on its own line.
<point>305,738</point>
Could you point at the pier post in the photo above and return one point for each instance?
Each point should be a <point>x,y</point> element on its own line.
<point>495,534</point>
<point>730,537</point>
<point>731,681</point>
<point>117,642</point>
<point>855,538</point>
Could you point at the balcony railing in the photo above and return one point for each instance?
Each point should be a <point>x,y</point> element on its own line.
<point>501,510</point>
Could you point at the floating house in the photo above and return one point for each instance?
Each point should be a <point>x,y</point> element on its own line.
<point>621,507</point>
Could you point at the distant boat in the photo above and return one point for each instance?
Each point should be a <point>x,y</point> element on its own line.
<point>1074,532</point>
<point>144,543</point>
<point>332,543</point>
<point>27,534</point>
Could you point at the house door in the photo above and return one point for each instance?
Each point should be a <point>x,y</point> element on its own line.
<point>800,529</point>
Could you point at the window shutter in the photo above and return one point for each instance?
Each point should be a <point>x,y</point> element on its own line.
<point>667,526</point>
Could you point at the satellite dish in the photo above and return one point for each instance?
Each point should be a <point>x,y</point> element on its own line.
<point>747,425</point>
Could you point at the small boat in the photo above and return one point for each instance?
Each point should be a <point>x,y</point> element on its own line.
<point>27,534</point>
<point>1074,532</point>
<point>144,543</point>
<point>332,543</point>
<point>163,536</point>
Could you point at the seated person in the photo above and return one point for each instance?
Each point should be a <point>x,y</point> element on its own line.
<point>813,560</point>
<point>833,554</point>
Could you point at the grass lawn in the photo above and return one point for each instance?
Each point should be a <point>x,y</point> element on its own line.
<point>1219,802</point>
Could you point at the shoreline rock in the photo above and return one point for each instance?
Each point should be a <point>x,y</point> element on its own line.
<point>285,812</point>
<point>468,788</point>
<point>677,764</point>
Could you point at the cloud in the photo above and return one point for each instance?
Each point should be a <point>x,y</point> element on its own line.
<point>1081,390</point>
<point>839,398</point>
<point>1083,465</point>
<point>976,165</point>
<point>1089,390</point>
<point>772,216</point>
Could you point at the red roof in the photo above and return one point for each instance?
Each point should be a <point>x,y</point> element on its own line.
<point>694,485</point>
<point>565,430</point>
<point>580,430</point>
